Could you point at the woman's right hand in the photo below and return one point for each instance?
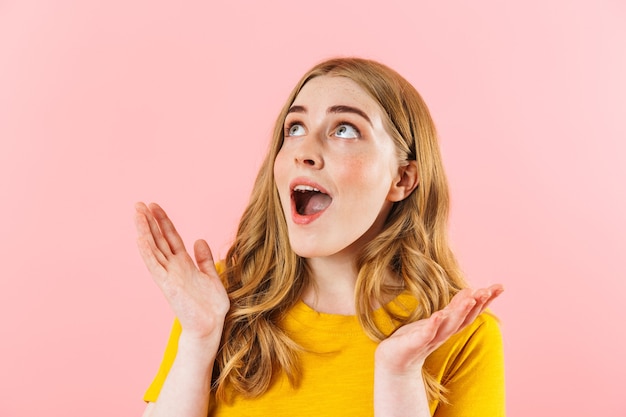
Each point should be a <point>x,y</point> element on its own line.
<point>193,290</point>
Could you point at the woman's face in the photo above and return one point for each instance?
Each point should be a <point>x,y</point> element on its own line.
<point>336,169</point>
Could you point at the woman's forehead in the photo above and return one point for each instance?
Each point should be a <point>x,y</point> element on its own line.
<point>327,90</point>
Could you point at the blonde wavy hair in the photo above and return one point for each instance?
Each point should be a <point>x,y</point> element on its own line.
<point>265,278</point>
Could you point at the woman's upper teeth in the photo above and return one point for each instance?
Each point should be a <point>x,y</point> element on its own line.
<point>305,188</point>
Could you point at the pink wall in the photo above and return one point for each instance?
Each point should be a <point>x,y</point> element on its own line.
<point>103,103</point>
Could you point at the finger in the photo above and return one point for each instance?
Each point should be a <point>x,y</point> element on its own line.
<point>150,260</point>
<point>428,332</point>
<point>496,290</point>
<point>481,296</point>
<point>454,315</point>
<point>204,257</point>
<point>174,240</point>
<point>144,234</point>
<point>157,236</point>
<point>459,302</point>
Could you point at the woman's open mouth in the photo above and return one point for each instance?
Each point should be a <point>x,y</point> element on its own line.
<point>308,203</point>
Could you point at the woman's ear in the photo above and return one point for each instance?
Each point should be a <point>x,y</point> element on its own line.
<point>404,184</point>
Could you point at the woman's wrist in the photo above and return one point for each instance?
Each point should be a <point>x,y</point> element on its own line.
<point>201,350</point>
<point>399,394</point>
<point>399,390</point>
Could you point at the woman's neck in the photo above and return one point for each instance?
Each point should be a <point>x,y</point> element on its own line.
<point>331,285</point>
<point>332,282</point>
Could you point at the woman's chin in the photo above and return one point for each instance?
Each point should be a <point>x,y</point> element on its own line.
<point>308,250</point>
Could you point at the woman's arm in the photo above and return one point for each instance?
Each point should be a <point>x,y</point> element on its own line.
<point>399,389</point>
<point>200,303</point>
<point>186,389</point>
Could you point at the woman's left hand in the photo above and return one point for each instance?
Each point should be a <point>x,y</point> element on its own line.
<point>399,389</point>
<point>407,348</point>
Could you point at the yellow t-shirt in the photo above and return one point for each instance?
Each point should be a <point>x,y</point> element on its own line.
<point>338,369</point>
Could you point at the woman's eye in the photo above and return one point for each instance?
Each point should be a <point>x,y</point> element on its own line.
<point>347,131</point>
<point>295,130</point>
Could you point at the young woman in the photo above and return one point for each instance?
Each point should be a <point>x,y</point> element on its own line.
<point>340,295</point>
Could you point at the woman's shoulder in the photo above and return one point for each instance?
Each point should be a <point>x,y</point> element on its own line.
<point>470,365</point>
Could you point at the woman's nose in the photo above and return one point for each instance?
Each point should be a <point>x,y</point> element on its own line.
<point>309,153</point>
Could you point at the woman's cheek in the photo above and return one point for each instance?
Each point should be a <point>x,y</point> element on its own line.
<point>359,168</point>
<point>279,167</point>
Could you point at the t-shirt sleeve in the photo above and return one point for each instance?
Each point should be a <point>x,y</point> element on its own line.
<point>154,389</point>
<point>471,366</point>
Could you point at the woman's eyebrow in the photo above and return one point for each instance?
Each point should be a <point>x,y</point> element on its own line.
<point>349,109</point>
<point>333,109</point>
<point>297,109</point>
